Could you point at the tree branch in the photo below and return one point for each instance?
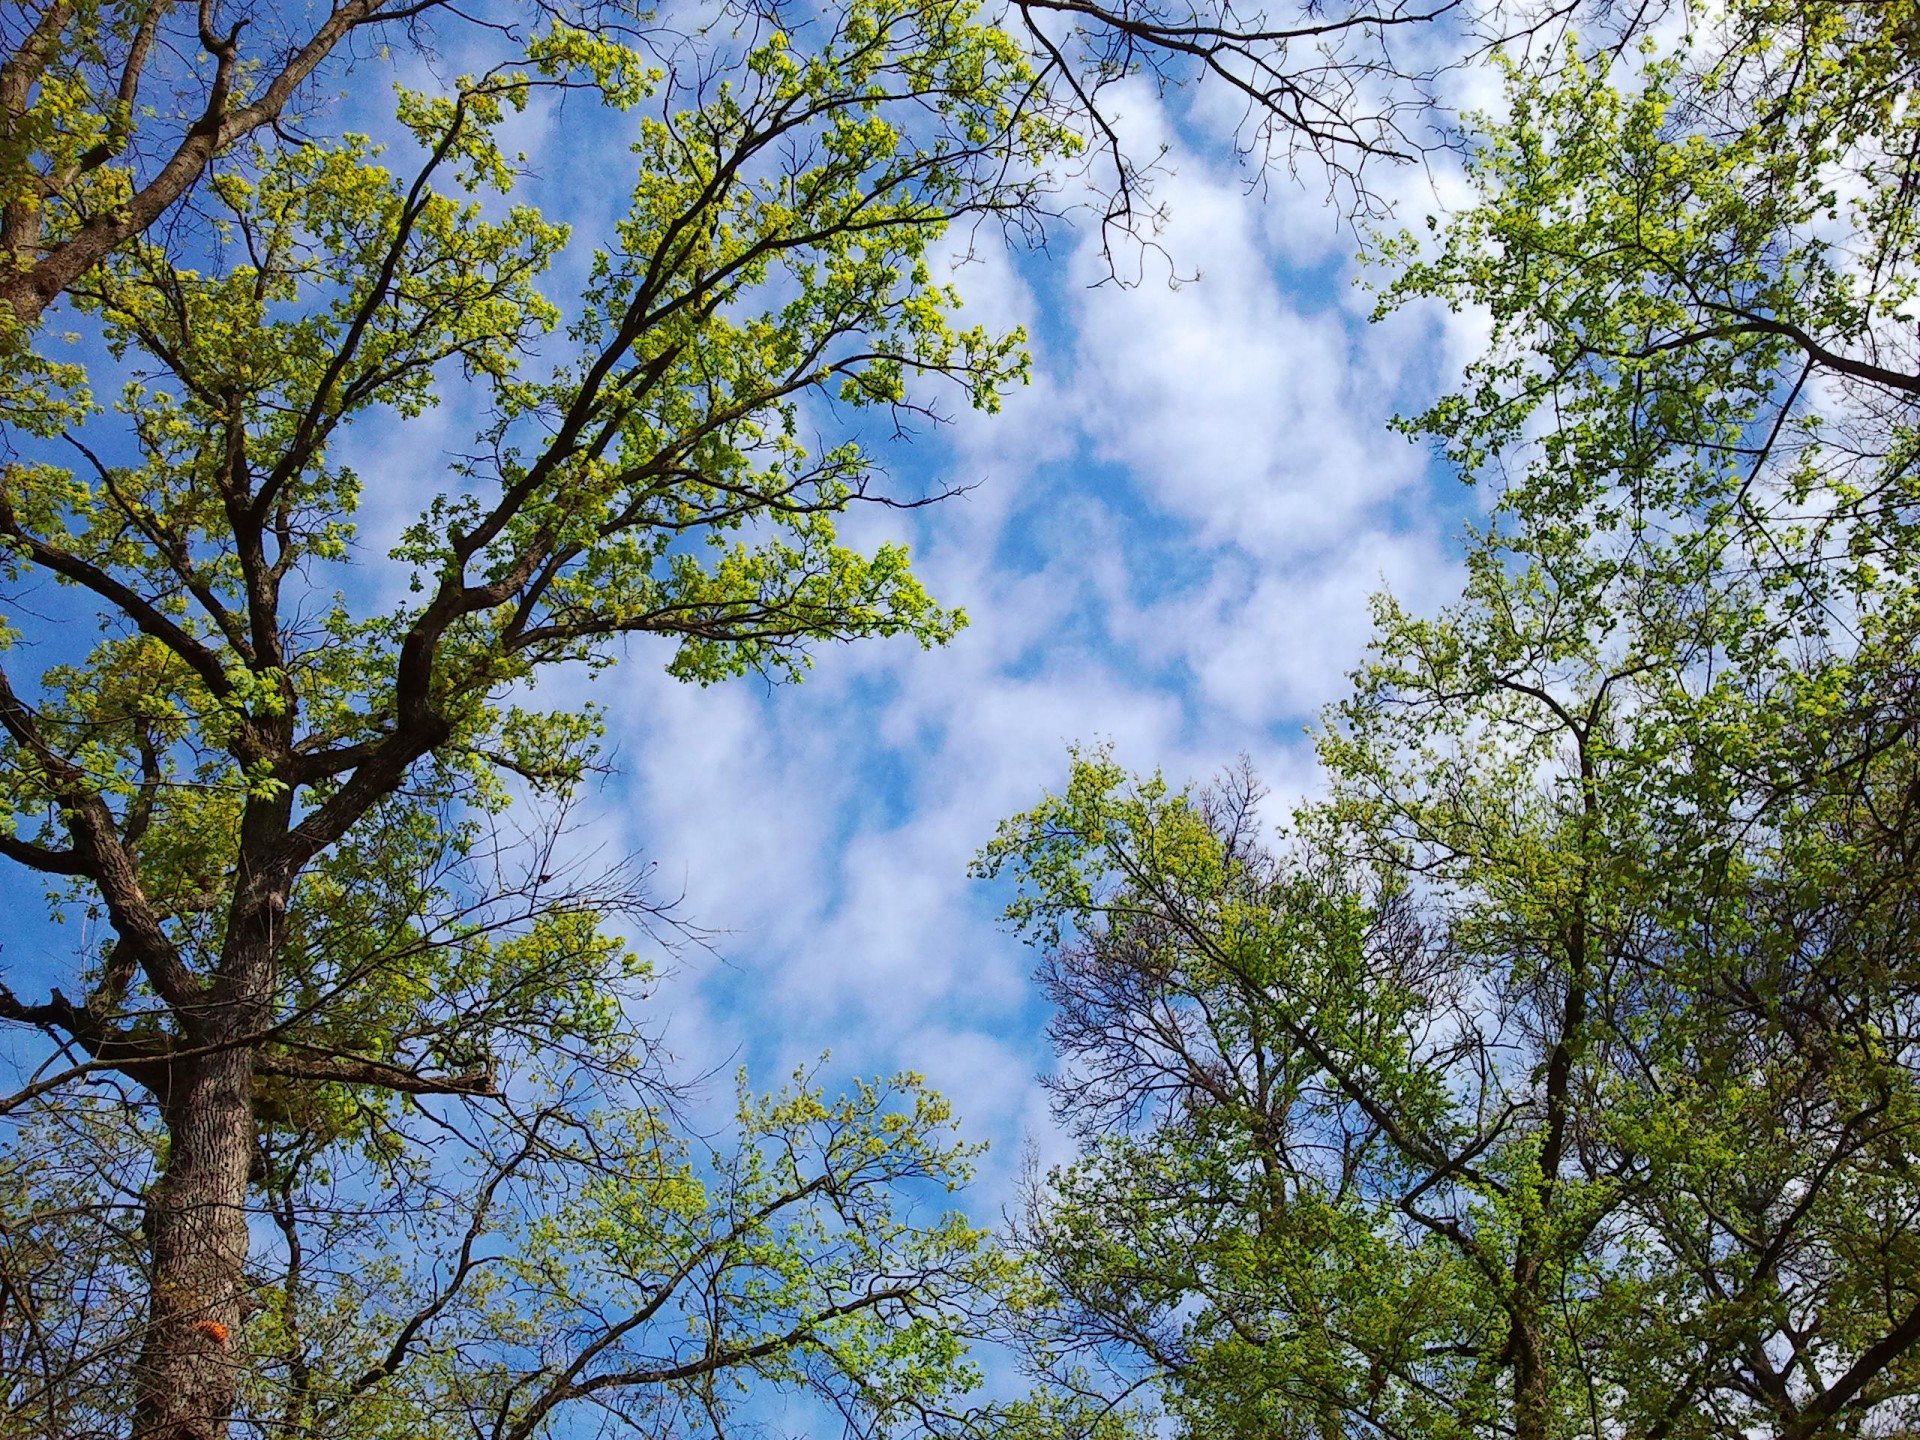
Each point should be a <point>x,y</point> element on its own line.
<point>353,1070</point>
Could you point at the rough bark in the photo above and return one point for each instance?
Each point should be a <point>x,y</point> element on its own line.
<point>1532,1410</point>
<point>196,1223</point>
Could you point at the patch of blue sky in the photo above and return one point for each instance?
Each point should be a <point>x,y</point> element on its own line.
<point>1117,594</point>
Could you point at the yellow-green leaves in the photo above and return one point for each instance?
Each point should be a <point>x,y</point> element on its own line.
<point>622,75</point>
<point>307,771</point>
<point>1695,263</point>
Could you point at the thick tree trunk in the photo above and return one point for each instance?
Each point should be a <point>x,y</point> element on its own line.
<point>196,1223</point>
<point>1532,1411</point>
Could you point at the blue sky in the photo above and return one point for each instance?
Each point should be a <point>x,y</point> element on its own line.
<point>1168,544</point>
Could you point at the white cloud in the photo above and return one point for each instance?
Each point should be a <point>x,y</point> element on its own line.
<point>1170,546</point>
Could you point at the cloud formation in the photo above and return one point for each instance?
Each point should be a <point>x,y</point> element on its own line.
<point>1169,544</point>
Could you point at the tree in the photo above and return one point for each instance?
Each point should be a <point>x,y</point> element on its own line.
<point>1557,1077</point>
<point>1557,1074</point>
<point>285,795</point>
<point>584,1264</point>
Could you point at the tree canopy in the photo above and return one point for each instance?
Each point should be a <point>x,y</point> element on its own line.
<point>1556,1073</point>
<point>338,985</point>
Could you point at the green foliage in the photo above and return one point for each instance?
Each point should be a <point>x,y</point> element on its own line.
<point>1517,1088</point>
<point>1701,287</point>
<point>600,1258</point>
<point>1556,1073</point>
<point>366,1007</point>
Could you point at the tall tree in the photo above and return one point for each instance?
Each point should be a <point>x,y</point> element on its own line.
<point>278,786</point>
<point>1558,1074</point>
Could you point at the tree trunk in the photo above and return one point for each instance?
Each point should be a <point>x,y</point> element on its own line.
<point>196,1223</point>
<point>1532,1413</point>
